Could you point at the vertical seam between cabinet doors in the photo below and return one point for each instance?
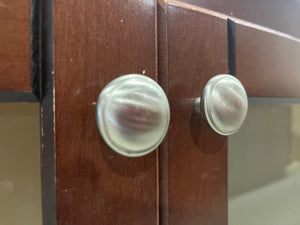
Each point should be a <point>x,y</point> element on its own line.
<point>47,114</point>
<point>231,47</point>
<point>156,79</point>
<point>163,79</point>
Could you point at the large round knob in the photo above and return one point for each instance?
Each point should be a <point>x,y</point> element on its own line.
<point>223,104</point>
<point>133,115</point>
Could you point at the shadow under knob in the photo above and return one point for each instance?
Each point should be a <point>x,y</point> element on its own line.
<point>223,104</point>
<point>133,115</point>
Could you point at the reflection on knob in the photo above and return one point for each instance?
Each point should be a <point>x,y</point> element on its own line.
<point>133,115</point>
<point>223,104</point>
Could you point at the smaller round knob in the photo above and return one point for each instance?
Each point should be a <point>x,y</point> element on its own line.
<point>223,104</point>
<point>133,115</point>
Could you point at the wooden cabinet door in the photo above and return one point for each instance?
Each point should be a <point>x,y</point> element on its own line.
<point>74,48</point>
<point>193,47</point>
<point>193,159</point>
<point>94,42</point>
<point>86,44</point>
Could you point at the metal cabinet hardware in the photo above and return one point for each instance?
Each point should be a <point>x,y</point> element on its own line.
<point>132,115</point>
<point>223,104</point>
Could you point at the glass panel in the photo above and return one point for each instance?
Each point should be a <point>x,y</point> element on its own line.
<point>20,182</point>
<point>264,167</point>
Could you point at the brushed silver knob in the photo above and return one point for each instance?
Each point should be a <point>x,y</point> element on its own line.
<point>132,115</point>
<point>223,104</point>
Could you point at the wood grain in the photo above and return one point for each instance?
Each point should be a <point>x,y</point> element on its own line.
<point>15,45</point>
<point>196,157</point>
<point>95,42</point>
<point>267,63</point>
<point>266,60</point>
<point>276,14</point>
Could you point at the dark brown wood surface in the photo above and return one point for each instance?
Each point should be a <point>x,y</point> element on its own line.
<point>267,62</point>
<point>95,42</point>
<point>193,159</point>
<point>15,45</point>
<point>276,14</point>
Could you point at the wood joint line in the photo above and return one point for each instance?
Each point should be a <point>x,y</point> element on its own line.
<point>231,47</point>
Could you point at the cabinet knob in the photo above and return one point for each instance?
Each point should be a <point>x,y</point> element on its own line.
<point>132,115</point>
<point>223,104</point>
